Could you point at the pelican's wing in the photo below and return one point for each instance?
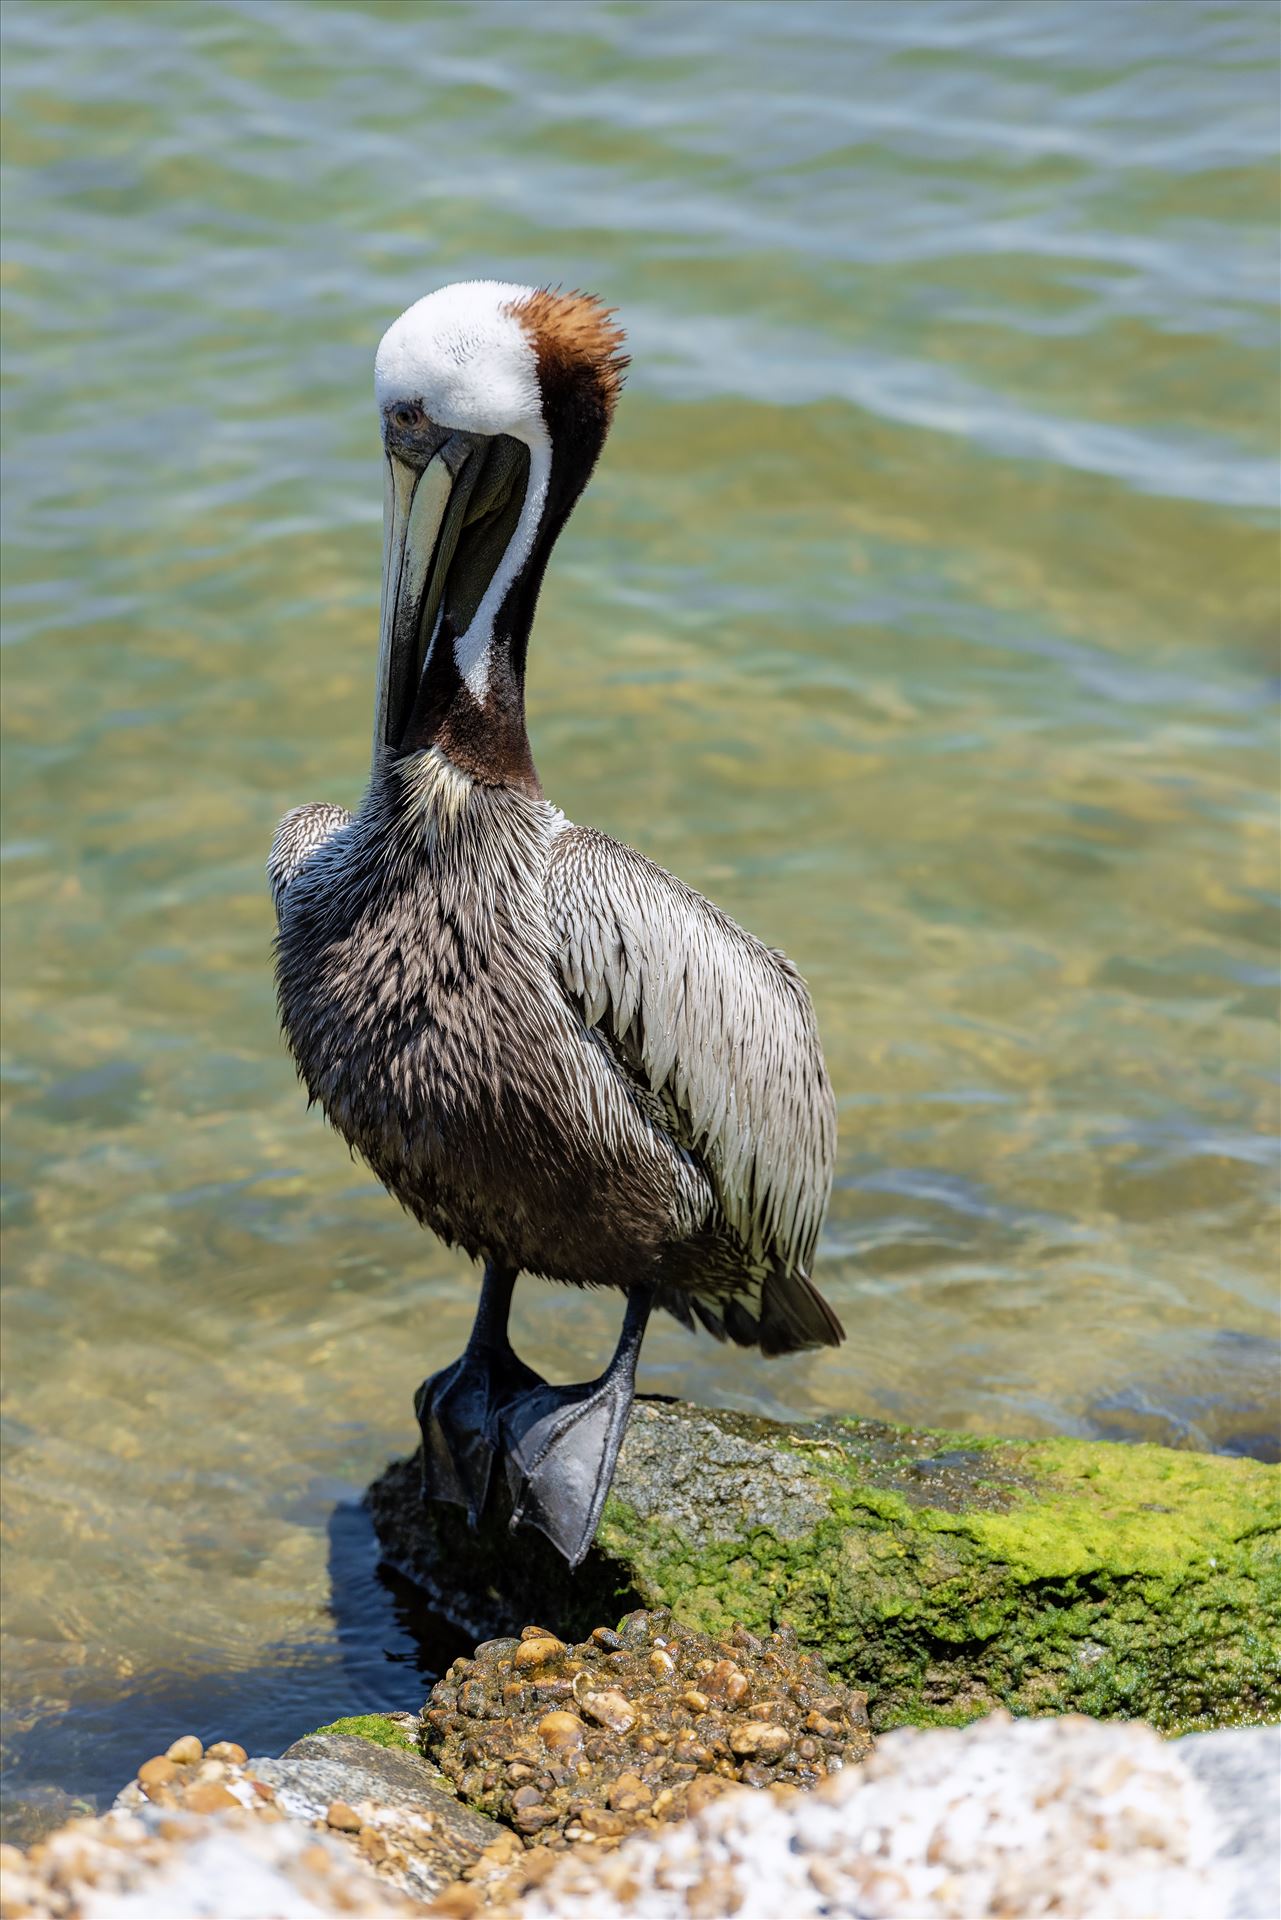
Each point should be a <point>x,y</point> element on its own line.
<point>721,1028</point>
<point>299,834</point>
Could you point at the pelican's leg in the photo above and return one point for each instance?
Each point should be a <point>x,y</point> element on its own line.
<point>458,1408</point>
<point>562,1442</point>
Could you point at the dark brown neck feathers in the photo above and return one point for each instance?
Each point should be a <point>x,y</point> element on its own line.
<point>485,739</point>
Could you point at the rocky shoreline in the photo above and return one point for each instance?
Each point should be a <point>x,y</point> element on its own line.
<point>780,1685</point>
<point>1069,1816</point>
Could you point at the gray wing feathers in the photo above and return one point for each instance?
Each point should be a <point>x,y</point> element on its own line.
<point>723,1028</point>
<point>299,834</point>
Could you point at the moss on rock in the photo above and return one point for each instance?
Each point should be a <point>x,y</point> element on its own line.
<point>945,1574</point>
<point>379,1728</point>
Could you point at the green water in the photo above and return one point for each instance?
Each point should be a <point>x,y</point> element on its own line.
<point>924,611</point>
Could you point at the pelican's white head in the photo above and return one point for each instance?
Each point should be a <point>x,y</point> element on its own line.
<point>468,358</point>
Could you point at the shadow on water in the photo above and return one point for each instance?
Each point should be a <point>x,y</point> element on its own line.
<point>384,1649</point>
<point>391,1643</point>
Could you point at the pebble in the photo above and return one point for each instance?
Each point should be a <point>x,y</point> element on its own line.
<point>157,1772</point>
<point>532,1819</point>
<point>701,1792</point>
<point>759,1737</point>
<point>561,1730</point>
<point>342,1818</point>
<point>208,1796</point>
<point>628,1793</point>
<point>186,1750</point>
<point>537,1652</point>
<point>609,1709</point>
<point>228,1750</point>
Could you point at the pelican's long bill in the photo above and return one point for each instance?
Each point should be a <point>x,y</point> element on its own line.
<point>419,534</point>
<point>444,533</point>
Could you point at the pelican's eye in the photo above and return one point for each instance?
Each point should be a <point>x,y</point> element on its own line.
<point>409,415</point>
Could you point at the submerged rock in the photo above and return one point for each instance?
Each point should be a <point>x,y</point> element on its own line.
<point>948,1574</point>
<point>563,1743</point>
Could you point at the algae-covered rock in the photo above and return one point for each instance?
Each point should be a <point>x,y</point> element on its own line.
<point>945,1574</point>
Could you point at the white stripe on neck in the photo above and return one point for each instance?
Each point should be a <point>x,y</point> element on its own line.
<point>473,650</point>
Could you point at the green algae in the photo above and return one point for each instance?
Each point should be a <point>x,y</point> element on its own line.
<point>378,1728</point>
<point>949,1575</point>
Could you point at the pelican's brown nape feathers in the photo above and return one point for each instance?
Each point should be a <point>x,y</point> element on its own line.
<point>552,1052</point>
<point>577,344</point>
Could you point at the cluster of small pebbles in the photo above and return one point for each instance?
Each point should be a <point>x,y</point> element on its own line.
<point>633,1728</point>
<point>197,1778</point>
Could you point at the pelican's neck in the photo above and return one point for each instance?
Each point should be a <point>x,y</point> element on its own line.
<point>471,699</point>
<point>471,704</point>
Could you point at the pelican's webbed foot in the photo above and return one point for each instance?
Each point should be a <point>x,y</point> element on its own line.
<point>562,1443</point>
<point>459,1409</point>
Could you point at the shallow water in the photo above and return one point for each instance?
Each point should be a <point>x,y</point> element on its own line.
<point>923,611</point>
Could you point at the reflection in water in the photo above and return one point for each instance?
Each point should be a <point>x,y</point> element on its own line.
<point>923,612</point>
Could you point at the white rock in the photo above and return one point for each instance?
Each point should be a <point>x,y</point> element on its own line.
<point>1071,1817</point>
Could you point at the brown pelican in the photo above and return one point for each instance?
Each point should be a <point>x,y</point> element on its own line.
<point>550,1051</point>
